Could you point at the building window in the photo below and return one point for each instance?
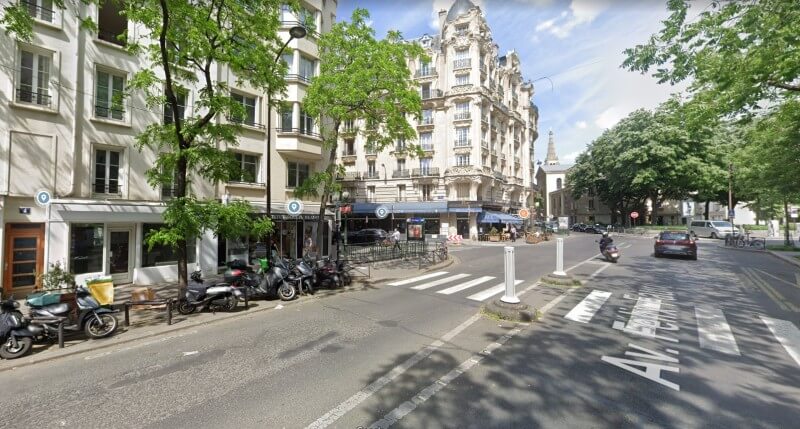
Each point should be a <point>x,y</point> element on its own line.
<point>286,119</point>
<point>425,165</point>
<point>298,173</point>
<point>424,68</point>
<point>461,29</point>
<point>111,23</point>
<point>306,123</point>
<point>590,193</point>
<point>370,193</point>
<point>288,59</point>
<point>462,160</point>
<point>591,204</point>
<point>427,192</point>
<point>168,189</point>
<point>425,91</point>
<point>287,15</point>
<point>426,141</point>
<point>246,116</point>
<point>462,79</point>
<point>559,183</point>
<point>109,93</point>
<point>349,147</point>
<point>162,254</point>
<point>401,192</point>
<point>401,165</point>
<point>34,78</point>
<point>371,173</point>
<point>462,136</point>
<point>249,167</point>
<point>168,116</point>
<point>39,9</point>
<point>86,248</point>
<point>106,171</point>
<point>427,117</point>
<point>462,191</point>
<point>307,68</point>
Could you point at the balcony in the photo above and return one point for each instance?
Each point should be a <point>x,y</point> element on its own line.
<point>485,144</point>
<point>304,79</point>
<point>38,98</point>
<point>426,121</point>
<point>348,131</point>
<point>498,175</point>
<point>462,116</point>
<point>371,175</point>
<point>425,172</point>
<point>485,120</point>
<point>426,147</point>
<point>482,67</point>
<point>38,12</point>
<point>463,142</point>
<point>349,176</point>
<point>463,63</point>
<point>107,190</point>
<point>349,157</point>
<point>430,94</point>
<point>399,174</point>
<point>425,72</point>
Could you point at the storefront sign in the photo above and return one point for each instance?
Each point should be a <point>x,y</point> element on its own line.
<point>294,207</point>
<point>43,198</point>
<point>381,212</point>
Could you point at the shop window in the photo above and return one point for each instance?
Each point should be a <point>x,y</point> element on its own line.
<point>162,254</point>
<point>86,248</point>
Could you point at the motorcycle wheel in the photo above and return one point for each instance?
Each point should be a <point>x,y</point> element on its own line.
<point>230,303</point>
<point>184,307</point>
<point>309,286</point>
<point>287,292</point>
<point>8,351</point>
<point>100,329</point>
<point>337,281</point>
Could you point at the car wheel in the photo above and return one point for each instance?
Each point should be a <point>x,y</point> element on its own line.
<point>714,235</point>
<point>656,254</point>
<point>694,257</point>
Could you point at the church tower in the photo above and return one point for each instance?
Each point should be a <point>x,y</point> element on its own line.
<point>551,159</point>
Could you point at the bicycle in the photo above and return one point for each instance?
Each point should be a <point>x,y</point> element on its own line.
<point>441,251</point>
<point>746,241</point>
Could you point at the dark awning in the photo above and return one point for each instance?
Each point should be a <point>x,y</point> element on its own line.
<point>497,217</point>
<point>402,207</point>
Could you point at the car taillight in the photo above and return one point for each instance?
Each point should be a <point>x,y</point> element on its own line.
<point>659,242</point>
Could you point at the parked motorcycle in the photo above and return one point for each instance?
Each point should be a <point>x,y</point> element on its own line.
<point>328,274</point>
<point>83,313</point>
<point>16,339</point>
<point>266,283</point>
<point>304,274</point>
<point>221,296</point>
<point>611,253</point>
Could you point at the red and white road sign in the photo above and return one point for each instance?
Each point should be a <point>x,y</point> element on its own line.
<point>634,215</point>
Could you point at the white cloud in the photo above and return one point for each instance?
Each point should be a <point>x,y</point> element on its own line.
<point>570,157</point>
<point>581,124</point>
<point>580,12</point>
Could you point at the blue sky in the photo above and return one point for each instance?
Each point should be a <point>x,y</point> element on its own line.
<point>578,44</point>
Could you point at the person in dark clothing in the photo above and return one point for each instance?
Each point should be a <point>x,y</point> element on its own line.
<point>605,241</point>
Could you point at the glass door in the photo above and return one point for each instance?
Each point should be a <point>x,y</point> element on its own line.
<point>119,254</point>
<point>23,256</point>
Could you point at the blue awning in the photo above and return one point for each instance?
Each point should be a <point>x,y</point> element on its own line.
<point>497,217</point>
<point>465,209</point>
<point>402,207</point>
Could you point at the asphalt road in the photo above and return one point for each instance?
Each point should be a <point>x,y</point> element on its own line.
<point>415,354</point>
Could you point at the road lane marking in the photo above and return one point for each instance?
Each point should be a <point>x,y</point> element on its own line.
<point>492,291</point>
<point>776,297</point>
<point>787,334</point>
<point>778,278</point>
<point>416,279</point>
<point>598,271</point>
<point>583,262</point>
<point>423,395</point>
<point>714,332</point>
<point>362,395</point>
<point>467,285</point>
<point>586,309</point>
<point>440,282</point>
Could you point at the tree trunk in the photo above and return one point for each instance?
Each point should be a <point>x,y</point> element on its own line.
<point>326,189</point>
<point>786,236</point>
<point>180,191</point>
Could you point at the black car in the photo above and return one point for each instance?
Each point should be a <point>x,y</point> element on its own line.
<point>578,227</point>
<point>367,236</point>
<point>595,229</point>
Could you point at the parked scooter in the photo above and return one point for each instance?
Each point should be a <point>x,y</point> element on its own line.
<point>328,275</point>
<point>82,313</point>
<point>16,339</point>
<point>221,296</point>
<point>304,274</point>
<point>275,281</point>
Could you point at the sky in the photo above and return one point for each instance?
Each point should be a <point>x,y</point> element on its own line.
<point>576,45</point>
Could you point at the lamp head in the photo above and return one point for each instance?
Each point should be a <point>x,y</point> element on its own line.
<point>298,32</point>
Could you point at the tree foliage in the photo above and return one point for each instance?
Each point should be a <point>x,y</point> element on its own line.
<point>361,79</point>
<point>741,56</point>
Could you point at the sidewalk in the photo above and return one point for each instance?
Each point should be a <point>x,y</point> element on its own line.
<point>147,324</point>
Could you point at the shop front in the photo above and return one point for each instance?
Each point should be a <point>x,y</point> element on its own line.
<point>362,216</point>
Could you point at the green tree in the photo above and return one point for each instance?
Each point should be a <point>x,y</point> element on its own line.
<point>740,55</point>
<point>364,79</point>
<point>184,43</point>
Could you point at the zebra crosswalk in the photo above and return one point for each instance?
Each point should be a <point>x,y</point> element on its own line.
<point>713,329</point>
<point>453,284</point>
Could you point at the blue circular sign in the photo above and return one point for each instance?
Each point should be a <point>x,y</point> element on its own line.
<point>381,211</point>
<point>43,198</point>
<point>294,207</point>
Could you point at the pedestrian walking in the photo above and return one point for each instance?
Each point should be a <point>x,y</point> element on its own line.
<point>513,233</point>
<point>396,240</point>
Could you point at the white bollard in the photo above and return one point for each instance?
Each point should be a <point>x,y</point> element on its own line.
<point>511,295</point>
<point>560,258</point>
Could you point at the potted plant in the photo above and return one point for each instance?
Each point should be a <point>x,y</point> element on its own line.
<point>494,234</point>
<point>56,278</point>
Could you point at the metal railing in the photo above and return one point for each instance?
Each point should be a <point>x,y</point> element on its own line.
<point>422,172</point>
<point>28,96</point>
<point>247,122</point>
<point>459,116</point>
<point>433,93</point>
<point>401,173</point>
<point>371,175</point>
<point>426,120</point>
<point>38,12</point>
<point>463,142</point>
<point>384,251</point>
<point>109,112</point>
<point>299,78</point>
<point>431,71</point>
<point>107,188</point>
<point>301,131</point>
<point>350,175</point>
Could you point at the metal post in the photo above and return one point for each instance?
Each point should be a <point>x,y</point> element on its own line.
<point>61,334</point>
<point>559,258</point>
<point>511,295</point>
<point>170,303</point>
<point>127,315</point>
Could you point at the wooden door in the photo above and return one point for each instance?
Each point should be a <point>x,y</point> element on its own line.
<point>24,256</point>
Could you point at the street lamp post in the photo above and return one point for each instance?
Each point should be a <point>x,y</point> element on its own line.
<point>296,32</point>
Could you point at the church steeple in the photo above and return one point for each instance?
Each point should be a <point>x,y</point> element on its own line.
<point>551,159</point>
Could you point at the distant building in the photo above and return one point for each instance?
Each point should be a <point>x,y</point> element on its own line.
<point>477,131</point>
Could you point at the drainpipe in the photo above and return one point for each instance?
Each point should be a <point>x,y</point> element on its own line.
<point>78,94</point>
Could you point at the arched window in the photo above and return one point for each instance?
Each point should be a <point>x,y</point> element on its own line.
<point>558,183</point>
